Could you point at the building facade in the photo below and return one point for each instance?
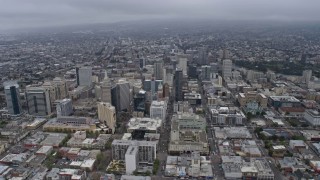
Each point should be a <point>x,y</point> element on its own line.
<point>132,159</point>
<point>107,115</point>
<point>121,96</point>
<point>12,94</point>
<point>84,76</point>
<point>178,78</point>
<point>158,109</point>
<point>106,90</point>
<point>64,107</point>
<point>158,70</point>
<point>227,116</point>
<point>182,60</point>
<point>146,154</point>
<point>38,101</point>
<point>226,68</point>
<point>313,117</point>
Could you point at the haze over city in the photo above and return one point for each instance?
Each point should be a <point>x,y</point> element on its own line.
<point>17,14</point>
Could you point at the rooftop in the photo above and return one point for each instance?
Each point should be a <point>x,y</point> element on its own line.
<point>44,149</point>
<point>144,124</point>
<point>284,98</point>
<point>158,103</point>
<point>127,177</point>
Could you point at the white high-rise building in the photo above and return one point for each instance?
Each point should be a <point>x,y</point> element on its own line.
<point>226,68</point>
<point>182,63</point>
<point>107,115</point>
<point>158,109</point>
<point>84,76</point>
<point>12,94</point>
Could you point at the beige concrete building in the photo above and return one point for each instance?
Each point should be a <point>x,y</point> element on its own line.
<point>252,96</point>
<point>106,90</point>
<point>107,115</point>
<point>70,123</point>
<point>188,134</point>
<point>57,89</point>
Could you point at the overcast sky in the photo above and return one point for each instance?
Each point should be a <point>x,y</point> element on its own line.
<point>41,13</point>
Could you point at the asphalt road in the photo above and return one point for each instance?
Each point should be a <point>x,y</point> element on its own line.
<point>164,141</point>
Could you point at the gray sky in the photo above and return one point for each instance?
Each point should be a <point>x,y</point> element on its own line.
<point>41,13</point>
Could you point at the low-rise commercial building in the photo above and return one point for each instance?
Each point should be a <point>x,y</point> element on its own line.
<point>195,166</point>
<point>37,122</point>
<point>312,116</point>
<point>147,150</point>
<point>188,134</point>
<point>252,96</point>
<point>73,174</point>
<point>298,144</point>
<point>181,106</point>
<point>70,123</point>
<point>283,101</point>
<point>79,140</point>
<point>232,133</point>
<point>192,98</point>
<point>148,125</point>
<point>44,150</point>
<point>54,139</point>
<point>227,116</point>
<point>278,151</point>
<point>234,167</point>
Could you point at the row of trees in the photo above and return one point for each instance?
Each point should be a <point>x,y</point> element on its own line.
<point>288,68</point>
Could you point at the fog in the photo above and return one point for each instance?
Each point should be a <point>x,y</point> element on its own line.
<point>19,14</point>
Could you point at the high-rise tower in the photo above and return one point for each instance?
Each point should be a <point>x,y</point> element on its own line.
<point>178,78</point>
<point>12,94</point>
<point>106,90</point>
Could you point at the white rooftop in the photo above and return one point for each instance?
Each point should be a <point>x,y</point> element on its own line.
<point>144,123</point>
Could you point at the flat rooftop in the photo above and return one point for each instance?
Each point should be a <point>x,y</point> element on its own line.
<point>284,98</point>
<point>144,124</point>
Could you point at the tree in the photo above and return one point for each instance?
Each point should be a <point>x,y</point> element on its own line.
<point>135,173</point>
<point>97,134</point>
<point>296,137</point>
<point>267,144</point>
<point>270,153</point>
<point>249,115</point>
<point>108,145</point>
<point>148,173</point>
<point>95,176</point>
<point>274,137</point>
<point>156,164</point>
<point>262,136</point>
<point>307,161</point>
<point>288,154</point>
<point>258,130</point>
